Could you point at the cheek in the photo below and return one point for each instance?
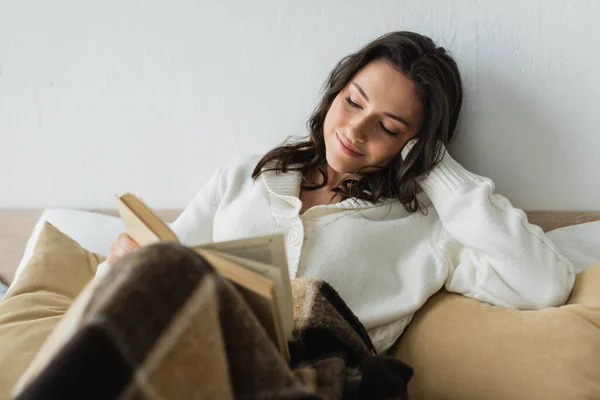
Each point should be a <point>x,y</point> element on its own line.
<point>335,115</point>
<point>383,152</point>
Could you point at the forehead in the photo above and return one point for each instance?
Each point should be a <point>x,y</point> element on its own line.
<point>388,89</point>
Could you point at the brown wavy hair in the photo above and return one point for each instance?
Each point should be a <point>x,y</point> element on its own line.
<point>439,86</point>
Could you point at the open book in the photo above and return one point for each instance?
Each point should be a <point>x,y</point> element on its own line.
<point>257,266</point>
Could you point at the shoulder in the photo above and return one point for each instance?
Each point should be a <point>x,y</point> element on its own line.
<point>243,164</point>
<point>241,167</point>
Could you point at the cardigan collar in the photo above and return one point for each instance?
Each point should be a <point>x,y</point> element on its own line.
<point>286,186</point>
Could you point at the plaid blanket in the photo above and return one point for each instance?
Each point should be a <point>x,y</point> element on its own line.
<point>162,324</point>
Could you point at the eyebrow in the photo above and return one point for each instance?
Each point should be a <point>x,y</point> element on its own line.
<point>397,118</point>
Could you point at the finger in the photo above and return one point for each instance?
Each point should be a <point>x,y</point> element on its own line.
<point>127,242</point>
<point>116,253</point>
<point>114,248</point>
<point>132,243</point>
<point>112,259</point>
<point>121,246</point>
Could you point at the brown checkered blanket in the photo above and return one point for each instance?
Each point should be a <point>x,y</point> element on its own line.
<point>163,325</point>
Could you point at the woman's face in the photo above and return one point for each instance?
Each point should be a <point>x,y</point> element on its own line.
<point>371,119</point>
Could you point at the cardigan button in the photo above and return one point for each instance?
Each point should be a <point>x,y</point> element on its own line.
<point>295,237</point>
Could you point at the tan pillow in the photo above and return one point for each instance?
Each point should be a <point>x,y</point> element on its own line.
<point>463,349</point>
<point>34,304</point>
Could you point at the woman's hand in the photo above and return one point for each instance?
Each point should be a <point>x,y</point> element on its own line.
<point>123,245</point>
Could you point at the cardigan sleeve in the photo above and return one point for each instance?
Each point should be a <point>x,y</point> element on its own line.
<point>195,223</point>
<point>492,252</point>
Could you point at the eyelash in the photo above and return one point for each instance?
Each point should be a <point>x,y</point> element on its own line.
<point>387,131</point>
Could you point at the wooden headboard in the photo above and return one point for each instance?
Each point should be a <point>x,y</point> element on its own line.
<point>16,226</point>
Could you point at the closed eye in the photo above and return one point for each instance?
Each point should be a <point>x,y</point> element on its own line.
<point>387,131</point>
<point>353,104</point>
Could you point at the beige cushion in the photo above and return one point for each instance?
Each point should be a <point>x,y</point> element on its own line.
<point>463,349</point>
<point>34,304</point>
<point>460,348</point>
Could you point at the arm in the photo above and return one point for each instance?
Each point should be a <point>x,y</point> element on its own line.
<point>492,252</point>
<point>195,224</point>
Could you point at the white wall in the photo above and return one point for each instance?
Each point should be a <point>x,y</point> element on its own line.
<point>103,97</point>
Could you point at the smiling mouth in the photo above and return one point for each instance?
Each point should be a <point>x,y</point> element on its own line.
<point>346,147</point>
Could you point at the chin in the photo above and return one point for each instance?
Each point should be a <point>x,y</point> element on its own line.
<point>341,163</point>
<point>338,161</point>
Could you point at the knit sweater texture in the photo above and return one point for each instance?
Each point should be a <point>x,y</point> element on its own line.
<point>386,262</point>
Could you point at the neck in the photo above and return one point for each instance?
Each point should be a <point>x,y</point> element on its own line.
<point>334,178</point>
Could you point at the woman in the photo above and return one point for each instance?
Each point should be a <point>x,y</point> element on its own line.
<point>352,198</point>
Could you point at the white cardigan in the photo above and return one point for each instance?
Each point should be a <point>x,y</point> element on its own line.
<point>382,260</point>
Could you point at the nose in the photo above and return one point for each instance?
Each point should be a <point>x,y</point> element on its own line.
<point>358,130</point>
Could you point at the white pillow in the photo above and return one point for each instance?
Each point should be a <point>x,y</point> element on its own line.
<point>94,232</point>
<point>579,243</point>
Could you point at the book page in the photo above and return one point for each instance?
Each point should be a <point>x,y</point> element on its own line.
<point>269,250</point>
<point>260,285</point>
<point>266,313</point>
<point>265,249</point>
<point>281,294</point>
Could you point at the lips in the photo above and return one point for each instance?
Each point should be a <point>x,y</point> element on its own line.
<point>347,148</point>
